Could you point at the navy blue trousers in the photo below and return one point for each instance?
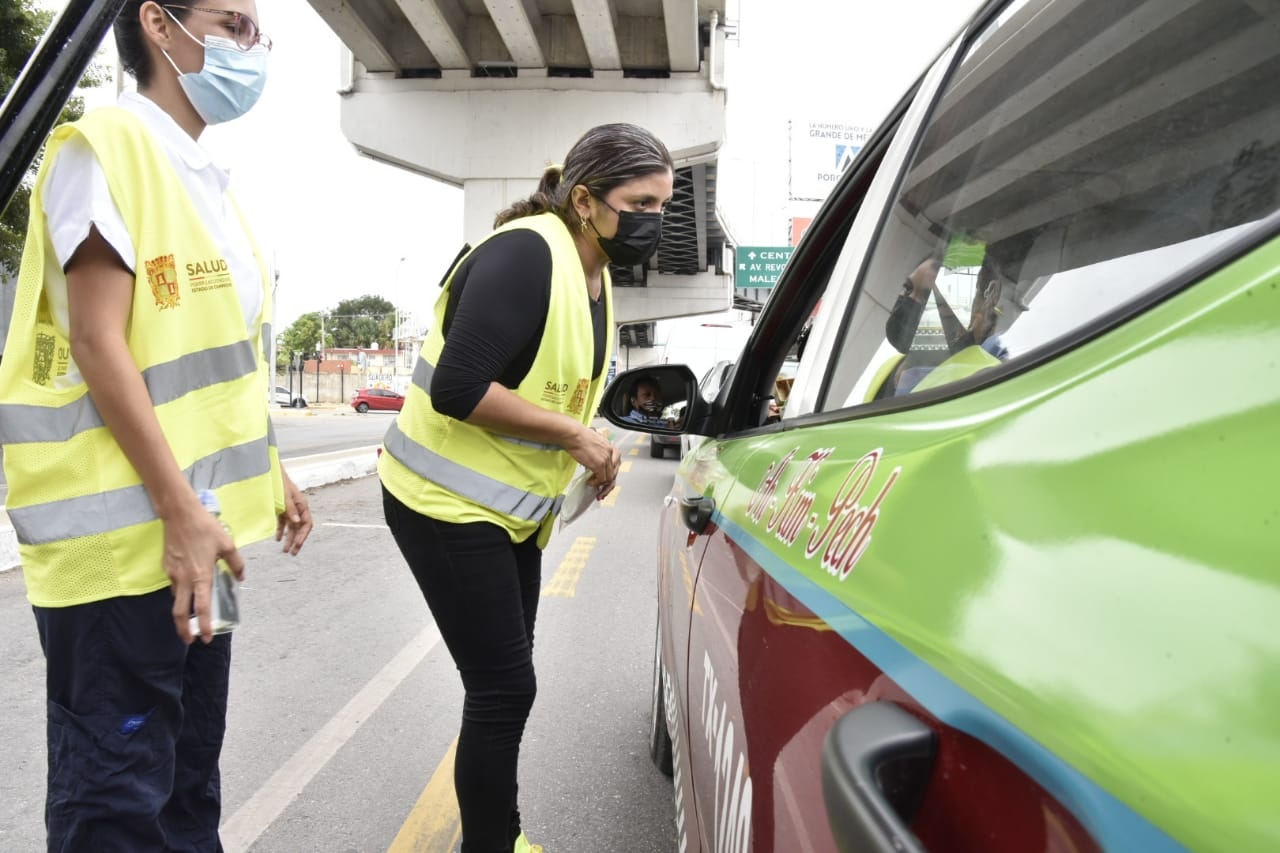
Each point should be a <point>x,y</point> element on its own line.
<point>483,593</point>
<point>135,727</point>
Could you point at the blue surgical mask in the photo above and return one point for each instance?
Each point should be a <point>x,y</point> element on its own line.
<point>230,82</point>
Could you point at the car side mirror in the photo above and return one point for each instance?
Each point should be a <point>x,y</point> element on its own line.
<point>677,389</point>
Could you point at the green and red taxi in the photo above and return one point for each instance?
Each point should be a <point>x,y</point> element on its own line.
<point>1005,573</point>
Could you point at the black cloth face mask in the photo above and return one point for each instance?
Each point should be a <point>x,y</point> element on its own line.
<point>636,240</point>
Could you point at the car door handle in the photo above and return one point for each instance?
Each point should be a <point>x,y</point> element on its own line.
<point>696,512</point>
<point>875,765</point>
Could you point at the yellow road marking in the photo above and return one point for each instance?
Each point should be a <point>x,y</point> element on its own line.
<point>611,498</point>
<point>565,581</point>
<point>433,824</point>
<point>635,451</point>
<point>640,437</point>
<point>624,467</point>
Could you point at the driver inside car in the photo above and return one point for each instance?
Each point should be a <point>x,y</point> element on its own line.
<point>970,347</point>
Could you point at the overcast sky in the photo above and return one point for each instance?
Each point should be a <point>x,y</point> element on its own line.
<point>339,225</point>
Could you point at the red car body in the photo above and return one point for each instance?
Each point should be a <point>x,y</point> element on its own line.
<point>376,400</point>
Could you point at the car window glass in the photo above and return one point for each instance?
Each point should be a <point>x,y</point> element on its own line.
<point>831,253</point>
<point>1083,152</point>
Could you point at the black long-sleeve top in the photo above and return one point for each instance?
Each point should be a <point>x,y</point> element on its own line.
<point>903,321</point>
<point>494,320</point>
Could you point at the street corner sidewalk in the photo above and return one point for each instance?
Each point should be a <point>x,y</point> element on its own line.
<point>307,472</point>
<point>313,410</point>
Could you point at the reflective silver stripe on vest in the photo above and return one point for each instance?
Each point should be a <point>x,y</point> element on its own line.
<point>266,341</point>
<point>465,482</point>
<point>524,442</point>
<point>88,515</point>
<point>21,423</point>
<point>422,373</point>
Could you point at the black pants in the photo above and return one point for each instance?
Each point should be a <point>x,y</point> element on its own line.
<point>483,592</point>
<point>135,727</point>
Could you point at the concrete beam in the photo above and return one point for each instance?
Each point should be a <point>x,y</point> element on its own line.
<point>1027,25</point>
<point>1235,57</point>
<point>1144,172</point>
<point>1265,8</point>
<point>670,296</point>
<point>483,198</point>
<point>683,48</point>
<point>465,135</point>
<point>367,41</point>
<point>596,20</point>
<point>517,22</point>
<point>441,24</point>
<point>1080,63</point>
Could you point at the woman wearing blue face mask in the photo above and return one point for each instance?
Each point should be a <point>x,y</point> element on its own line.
<point>134,377</point>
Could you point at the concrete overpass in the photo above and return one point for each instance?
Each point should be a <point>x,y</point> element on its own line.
<point>484,94</point>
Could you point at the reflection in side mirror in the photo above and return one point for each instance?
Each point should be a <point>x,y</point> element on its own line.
<point>659,398</point>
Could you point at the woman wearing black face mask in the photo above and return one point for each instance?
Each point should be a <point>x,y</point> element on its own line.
<point>496,417</point>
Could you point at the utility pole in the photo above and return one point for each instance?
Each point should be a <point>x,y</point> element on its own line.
<point>395,365</point>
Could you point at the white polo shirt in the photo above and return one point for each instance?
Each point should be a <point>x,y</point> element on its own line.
<point>76,196</point>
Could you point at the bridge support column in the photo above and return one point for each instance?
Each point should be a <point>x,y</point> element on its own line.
<point>483,198</point>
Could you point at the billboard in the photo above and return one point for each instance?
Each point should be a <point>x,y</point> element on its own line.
<point>820,152</point>
<point>799,225</point>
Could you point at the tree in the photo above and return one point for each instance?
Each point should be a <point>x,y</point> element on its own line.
<point>303,336</point>
<point>21,26</point>
<point>359,322</point>
<point>354,324</point>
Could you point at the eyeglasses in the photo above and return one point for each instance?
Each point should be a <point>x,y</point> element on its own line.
<point>246,33</point>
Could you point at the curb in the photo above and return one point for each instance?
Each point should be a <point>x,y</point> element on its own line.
<point>340,410</point>
<point>307,472</point>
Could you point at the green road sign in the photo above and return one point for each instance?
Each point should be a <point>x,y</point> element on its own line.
<point>759,266</point>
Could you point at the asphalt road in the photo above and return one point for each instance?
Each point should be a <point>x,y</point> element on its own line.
<point>308,431</point>
<point>344,705</point>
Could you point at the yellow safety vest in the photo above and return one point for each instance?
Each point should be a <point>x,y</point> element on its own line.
<point>458,472</point>
<point>85,525</point>
<point>970,360</point>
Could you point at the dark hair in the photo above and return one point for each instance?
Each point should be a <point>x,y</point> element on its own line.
<point>131,44</point>
<point>647,379</point>
<point>605,157</point>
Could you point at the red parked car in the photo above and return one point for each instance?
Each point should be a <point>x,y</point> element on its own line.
<point>376,399</point>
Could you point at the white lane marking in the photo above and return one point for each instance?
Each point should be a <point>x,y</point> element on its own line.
<point>268,802</point>
<point>335,454</point>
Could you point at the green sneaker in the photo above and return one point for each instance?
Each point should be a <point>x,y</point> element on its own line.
<point>523,845</point>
